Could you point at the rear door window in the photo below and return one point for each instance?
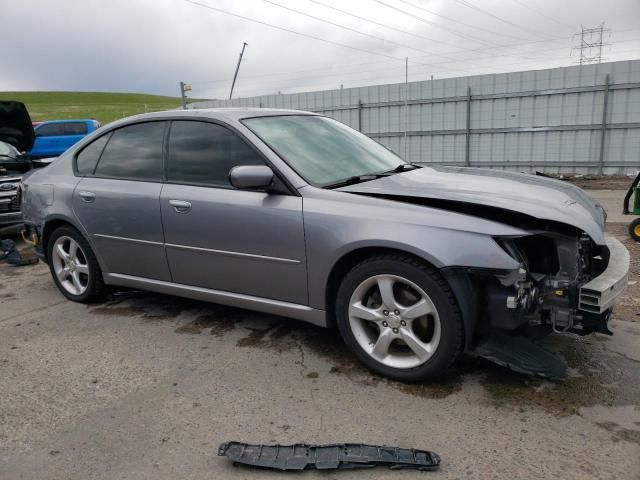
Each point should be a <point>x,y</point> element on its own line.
<point>202,153</point>
<point>133,152</point>
<point>88,158</point>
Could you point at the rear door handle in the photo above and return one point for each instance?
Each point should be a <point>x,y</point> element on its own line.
<point>88,197</point>
<point>180,206</point>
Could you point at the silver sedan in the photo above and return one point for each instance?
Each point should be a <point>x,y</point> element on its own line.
<point>296,214</point>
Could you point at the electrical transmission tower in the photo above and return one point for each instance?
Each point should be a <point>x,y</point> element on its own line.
<point>591,44</point>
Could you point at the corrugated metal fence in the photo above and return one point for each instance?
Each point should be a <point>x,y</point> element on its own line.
<point>579,119</point>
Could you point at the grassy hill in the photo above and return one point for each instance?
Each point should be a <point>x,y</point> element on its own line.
<point>104,107</point>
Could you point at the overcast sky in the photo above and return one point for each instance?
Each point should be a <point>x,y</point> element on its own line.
<point>148,46</point>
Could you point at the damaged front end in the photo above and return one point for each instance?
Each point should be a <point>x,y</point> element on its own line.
<point>565,283</point>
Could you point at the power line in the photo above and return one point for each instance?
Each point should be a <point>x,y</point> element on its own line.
<point>542,14</point>
<point>366,64</point>
<point>503,20</point>
<point>400,75</point>
<point>434,24</point>
<point>419,7</point>
<point>348,46</point>
<point>353,29</point>
<point>428,22</point>
<point>219,10</point>
<point>419,70</point>
<point>380,24</point>
<point>404,31</point>
<point>484,49</point>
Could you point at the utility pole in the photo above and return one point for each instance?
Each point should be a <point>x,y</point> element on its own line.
<point>235,75</point>
<point>406,105</point>
<point>406,69</point>
<point>184,88</point>
<point>591,44</point>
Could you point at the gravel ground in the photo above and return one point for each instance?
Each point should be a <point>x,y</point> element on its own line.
<point>146,386</point>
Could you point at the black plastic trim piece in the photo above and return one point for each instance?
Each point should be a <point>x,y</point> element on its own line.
<point>340,456</point>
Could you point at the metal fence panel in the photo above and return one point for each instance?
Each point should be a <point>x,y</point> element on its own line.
<point>579,119</point>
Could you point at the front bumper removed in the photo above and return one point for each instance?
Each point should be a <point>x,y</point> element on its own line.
<point>599,295</point>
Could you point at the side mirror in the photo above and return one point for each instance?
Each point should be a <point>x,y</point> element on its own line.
<point>247,177</point>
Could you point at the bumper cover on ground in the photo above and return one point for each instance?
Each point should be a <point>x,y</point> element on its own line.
<point>341,456</point>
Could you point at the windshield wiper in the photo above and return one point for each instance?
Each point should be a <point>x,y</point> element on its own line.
<point>403,167</point>
<point>353,180</point>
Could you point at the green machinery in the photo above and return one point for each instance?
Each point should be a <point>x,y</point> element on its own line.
<point>634,191</point>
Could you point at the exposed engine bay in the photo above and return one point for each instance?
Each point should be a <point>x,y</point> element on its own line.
<point>551,291</point>
<point>545,290</point>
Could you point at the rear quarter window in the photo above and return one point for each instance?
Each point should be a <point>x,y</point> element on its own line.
<point>88,157</point>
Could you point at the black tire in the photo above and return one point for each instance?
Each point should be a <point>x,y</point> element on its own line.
<point>434,285</point>
<point>95,286</point>
<point>634,229</point>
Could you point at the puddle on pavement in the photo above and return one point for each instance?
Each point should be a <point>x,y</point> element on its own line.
<point>599,376</point>
<point>218,319</point>
<point>149,306</point>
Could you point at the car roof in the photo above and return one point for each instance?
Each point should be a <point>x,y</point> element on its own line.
<point>227,113</point>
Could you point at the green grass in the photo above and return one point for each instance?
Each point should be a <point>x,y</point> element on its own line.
<point>103,106</point>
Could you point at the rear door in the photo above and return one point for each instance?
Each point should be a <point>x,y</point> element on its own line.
<point>118,200</point>
<point>218,237</point>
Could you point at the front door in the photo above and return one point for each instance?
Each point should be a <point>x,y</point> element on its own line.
<point>218,237</point>
<point>118,201</point>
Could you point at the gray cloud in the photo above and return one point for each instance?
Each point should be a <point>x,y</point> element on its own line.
<point>150,45</point>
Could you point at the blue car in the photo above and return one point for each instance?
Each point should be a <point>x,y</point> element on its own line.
<point>56,136</point>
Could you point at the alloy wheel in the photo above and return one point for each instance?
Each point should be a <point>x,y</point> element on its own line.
<point>70,265</point>
<point>394,321</point>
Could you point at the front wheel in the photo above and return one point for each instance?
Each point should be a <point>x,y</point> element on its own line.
<point>400,317</point>
<point>73,265</point>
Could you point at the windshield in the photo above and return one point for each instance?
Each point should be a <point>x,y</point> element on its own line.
<point>321,150</point>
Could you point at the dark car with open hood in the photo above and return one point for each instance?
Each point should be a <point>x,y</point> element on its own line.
<point>16,137</point>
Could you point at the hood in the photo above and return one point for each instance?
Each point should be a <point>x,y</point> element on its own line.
<point>534,196</point>
<point>15,125</point>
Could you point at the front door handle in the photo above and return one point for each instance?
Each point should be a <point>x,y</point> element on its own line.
<point>88,197</point>
<point>180,206</point>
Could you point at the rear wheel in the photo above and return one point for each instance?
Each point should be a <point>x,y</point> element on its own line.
<point>400,317</point>
<point>73,265</point>
<point>634,229</point>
